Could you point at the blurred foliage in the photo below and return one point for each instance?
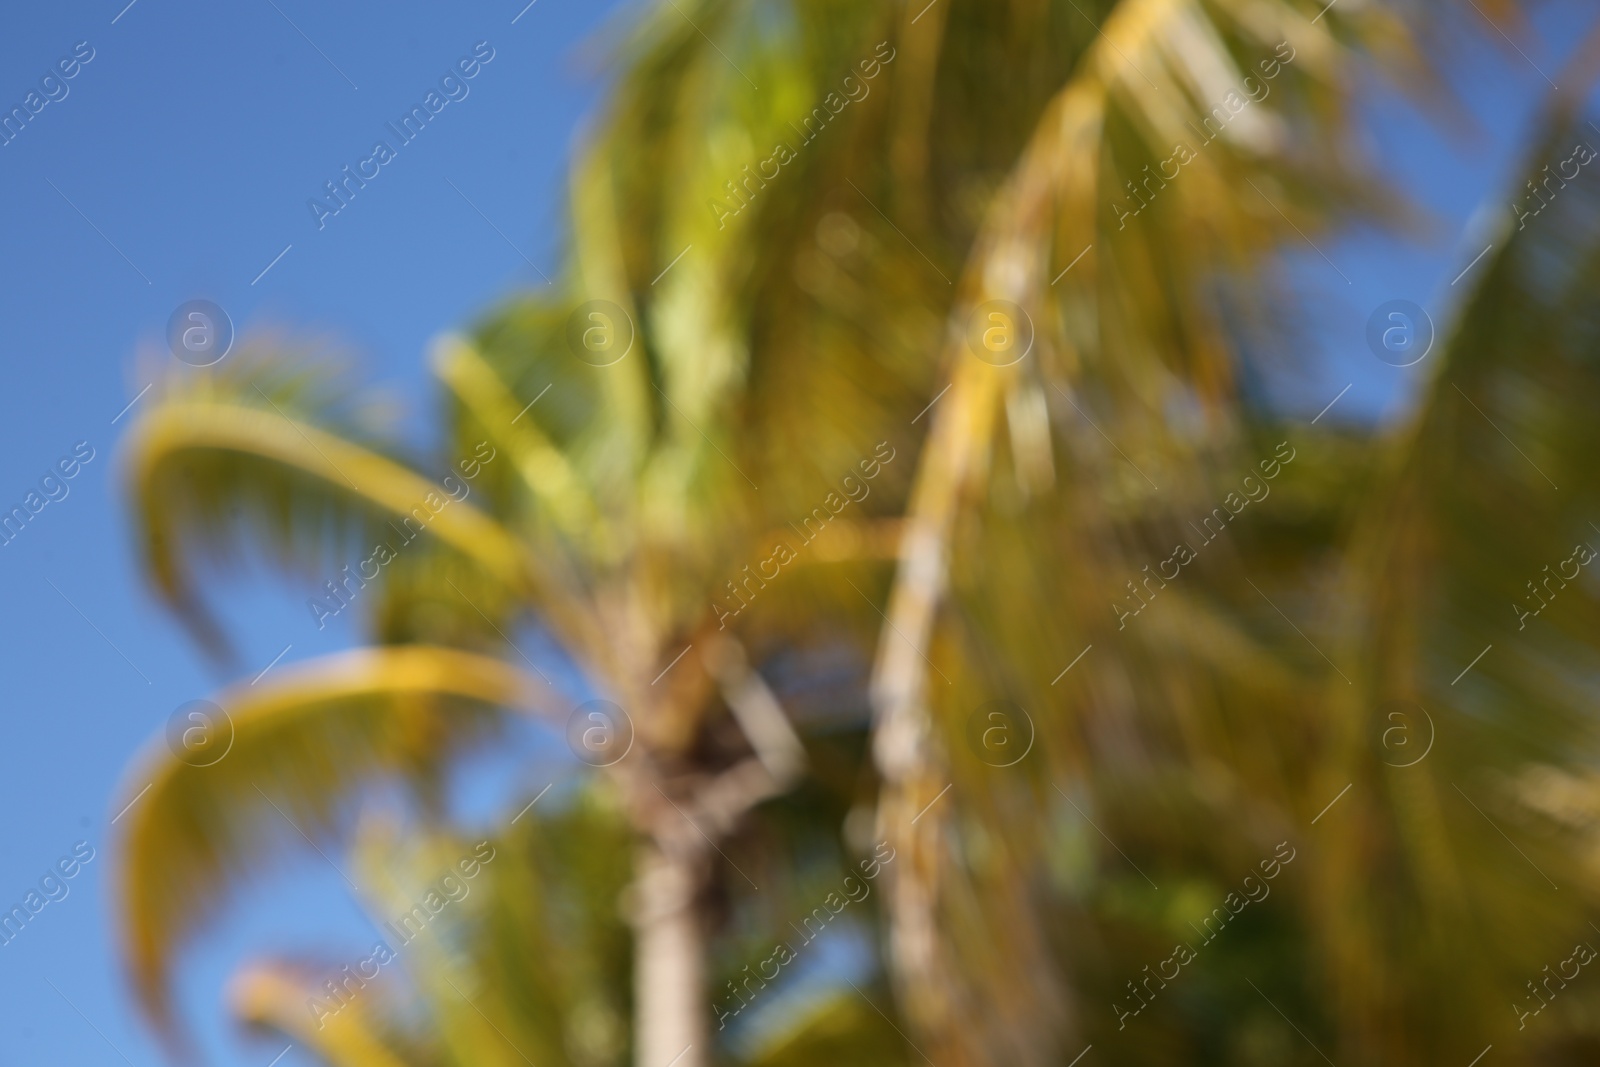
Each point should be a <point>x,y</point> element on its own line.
<point>782,332</point>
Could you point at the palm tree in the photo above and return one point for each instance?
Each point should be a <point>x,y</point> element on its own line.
<point>1214,726</point>
<point>622,596</point>
<point>792,223</point>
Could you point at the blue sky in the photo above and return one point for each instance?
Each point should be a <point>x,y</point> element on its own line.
<point>177,167</point>
<point>188,147</point>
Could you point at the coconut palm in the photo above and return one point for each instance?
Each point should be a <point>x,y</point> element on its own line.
<point>793,229</point>
<point>1226,708</point>
<point>704,741</point>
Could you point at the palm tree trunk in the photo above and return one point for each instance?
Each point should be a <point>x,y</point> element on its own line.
<point>669,960</point>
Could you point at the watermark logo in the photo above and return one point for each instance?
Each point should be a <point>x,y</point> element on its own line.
<point>1000,333</point>
<point>1000,733</point>
<point>599,332</point>
<point>53,88</point>
<point>199,733</point>
<point>200,333</point>
<point>341,192</point>
<point>599,733</point>
<point>1407,735</point>
<point>1400,333</point>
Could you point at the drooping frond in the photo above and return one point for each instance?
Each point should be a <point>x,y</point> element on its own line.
<point>1147,182</point>
<point>1473,553</point>
<point>194,465</point>
<point>277,771</point>
<point>274,996</point>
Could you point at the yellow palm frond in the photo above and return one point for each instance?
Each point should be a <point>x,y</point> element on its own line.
<point>278,771</point>
<point>274,996</point>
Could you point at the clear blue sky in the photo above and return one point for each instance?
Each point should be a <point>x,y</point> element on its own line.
<point>187,148</point>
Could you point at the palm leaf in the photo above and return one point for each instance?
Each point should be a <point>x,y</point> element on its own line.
<point>302,746</point>
<point>273,996</point>
<point>1453,558</point>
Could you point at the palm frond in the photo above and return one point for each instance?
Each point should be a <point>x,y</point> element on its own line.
<point>1443,569</point>
<point>274,996</point>
<point>278,772</point>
